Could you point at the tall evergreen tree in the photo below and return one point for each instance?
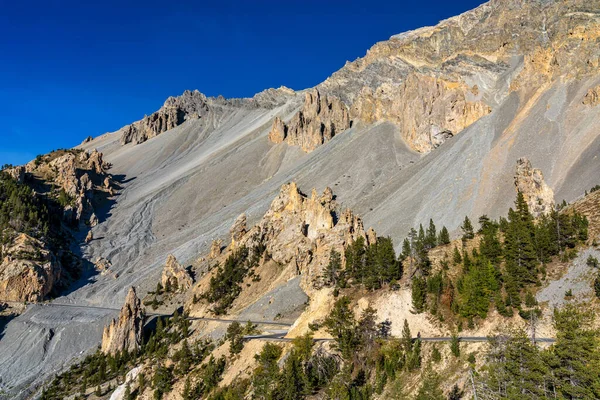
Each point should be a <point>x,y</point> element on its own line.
<point>431,235</point>
<point>444,237</point>
<point>419,293</point>
<point>575,357</point>
<point>332,271</point>
<point>490,246</point>
<point>467,228</point>
<point>519,251</point>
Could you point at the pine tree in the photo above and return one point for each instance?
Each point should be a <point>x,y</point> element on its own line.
<point>516,368</point>
<point>430,387</point>
<point>355,259</point>
<point>293,382</point>
<point>477,288</point>
<point>490,246</point>
<point>575,357</point>
<point>406,340</point>
<point>341,324</point>
<point>266,374</point>
<point>457,258</point>
<point>519,252</point>
<point>332,270</point>
<point>467,229</point>
<point>187,390</point>
<point>455,345</point>
<point>444,237</point>
<point>431,235</point>
<point>419,294</point>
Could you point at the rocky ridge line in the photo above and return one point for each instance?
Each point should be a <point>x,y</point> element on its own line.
<point>319,120</point>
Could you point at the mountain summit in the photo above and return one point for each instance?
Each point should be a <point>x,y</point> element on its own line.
<point>488,118</point>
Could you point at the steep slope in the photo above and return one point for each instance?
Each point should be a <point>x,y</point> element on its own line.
<point>442,116</point>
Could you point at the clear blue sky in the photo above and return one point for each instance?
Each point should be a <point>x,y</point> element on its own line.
<point>69,69</point>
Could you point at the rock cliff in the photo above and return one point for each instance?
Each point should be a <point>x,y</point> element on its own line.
<point>320,119</point>
<point>434,82</point>
<point>302,230</point>
<point>28,270</point>
<point>530,182</point>
<point>77,178</point>
<point>125,333</point>
<point>428,110</point>
<point>176,110</point>
<point>174,276</point>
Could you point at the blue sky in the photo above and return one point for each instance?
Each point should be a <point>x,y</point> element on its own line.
<point>69,69</point>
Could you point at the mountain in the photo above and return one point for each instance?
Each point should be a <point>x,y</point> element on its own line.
<point>431,124</point>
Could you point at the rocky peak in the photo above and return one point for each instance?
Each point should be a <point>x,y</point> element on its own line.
<point>174,276</point>
<point>125,333</point>
<point>436,81</point>
<point>175,111</point>
<point>320,119</point>
<point>530,182</point>
<point>302,230</point>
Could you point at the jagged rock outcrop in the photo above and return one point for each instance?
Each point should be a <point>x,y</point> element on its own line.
<point>320,119</point>
<point>174,276</point>
<point>102,265</point>
<point>175,111</point>
<point>215,249</point>
<point>87,140</point>
<point>530,182</point>
<point>436,81</point>
<point>301,231</point>
<point>125,333</point>
<point>278,131</point>
<point>28,270</point>
<point>592,97</point>
<point>77,176</point>
<point>427,110</point>
<point>238,230</point>
<point>17,173</point>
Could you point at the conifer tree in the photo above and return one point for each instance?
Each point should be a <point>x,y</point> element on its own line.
<point>519,252</point>
<point>430,387</point>
<point>406,337</point>
<point>332,270</point>
<point>457,258</point>
<point>444,237</point>
<point>516,368</point>
<point>490,246</point>
<point>341,324</point>
<point>431,235</point>
<point>575,357</point>
<point>467,229</point>
<point>419,294</point>
<point>455,345</point>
